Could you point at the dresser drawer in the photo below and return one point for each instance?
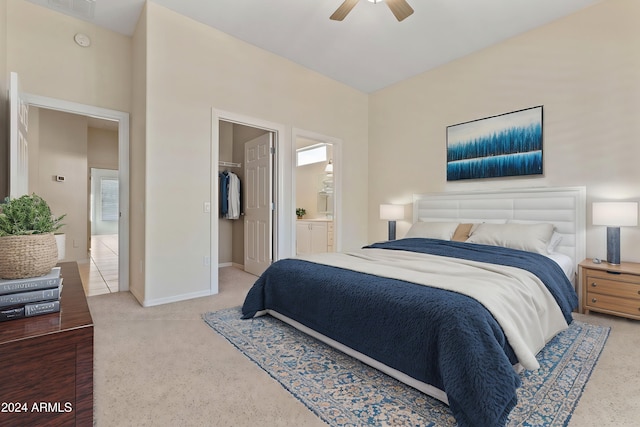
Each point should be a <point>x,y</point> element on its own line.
<point>600,285</point>
<point>597,302</point>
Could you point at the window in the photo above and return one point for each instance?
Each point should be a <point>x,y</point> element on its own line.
<point>311,154</point>
<point>109,198</point>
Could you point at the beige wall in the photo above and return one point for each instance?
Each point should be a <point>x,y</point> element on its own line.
<point>63,151</point>
<point>102,149</point>
<point>584,69</point>
<point>40,48</point>
<point>138,161</point>
<point>190,69</point>
<point>63,144</point>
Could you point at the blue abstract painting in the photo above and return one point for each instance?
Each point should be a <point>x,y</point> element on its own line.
<point>505,145</point>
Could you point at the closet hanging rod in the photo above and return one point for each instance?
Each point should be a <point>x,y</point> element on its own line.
<point>230,164</point>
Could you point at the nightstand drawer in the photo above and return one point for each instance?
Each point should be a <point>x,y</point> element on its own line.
<point>619,305</point>
<point>610,287</point>
<point>617,277</point>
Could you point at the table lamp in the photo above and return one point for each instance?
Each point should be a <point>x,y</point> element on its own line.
<point>615,215</point>
<point>392,213</point>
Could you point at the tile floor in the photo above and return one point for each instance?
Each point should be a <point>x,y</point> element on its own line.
<point>99,273</point>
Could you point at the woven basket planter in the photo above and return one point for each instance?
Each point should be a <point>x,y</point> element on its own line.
<point>27,256</point>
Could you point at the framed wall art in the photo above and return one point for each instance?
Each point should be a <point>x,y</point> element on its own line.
<point>508,144</point>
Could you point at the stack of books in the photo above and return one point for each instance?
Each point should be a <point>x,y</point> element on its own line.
<point>30,297</point>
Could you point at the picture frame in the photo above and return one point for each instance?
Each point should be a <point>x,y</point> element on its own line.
<point>505,145</point>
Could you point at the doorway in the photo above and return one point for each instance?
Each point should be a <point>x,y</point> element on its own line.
<point>122,120</point>
<point>249,149</point>
<point>317,192</point>
<point>103,232</point>
<point>245,184</point>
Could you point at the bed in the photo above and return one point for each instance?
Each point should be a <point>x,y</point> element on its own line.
<point>456,308</point>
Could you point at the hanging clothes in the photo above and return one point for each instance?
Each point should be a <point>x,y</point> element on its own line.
<point>223,193</point>
<point>234,196</point>
<point>230,195</point>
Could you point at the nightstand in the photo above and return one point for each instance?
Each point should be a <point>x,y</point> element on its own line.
<point>611,289</point>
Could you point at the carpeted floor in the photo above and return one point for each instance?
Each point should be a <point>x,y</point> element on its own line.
<point>345,392</point>
<point>164,366</point>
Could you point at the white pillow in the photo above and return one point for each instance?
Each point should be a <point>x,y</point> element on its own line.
<point>432,230</point>
<point>555,240</point>
<point>526,237</point>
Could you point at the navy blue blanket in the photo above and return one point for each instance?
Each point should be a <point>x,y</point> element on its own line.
<point>436,336</point>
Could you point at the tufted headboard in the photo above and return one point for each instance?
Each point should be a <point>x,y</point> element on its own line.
<point>564,207</point>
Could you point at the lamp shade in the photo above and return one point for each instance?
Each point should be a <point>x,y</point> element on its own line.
<point>615,214</point>
<point>391,212</point>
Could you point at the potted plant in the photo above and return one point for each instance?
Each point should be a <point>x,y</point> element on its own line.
<point>300,212</point>
<point>27,244</point>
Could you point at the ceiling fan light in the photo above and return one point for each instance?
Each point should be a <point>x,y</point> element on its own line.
<point>375,1</point>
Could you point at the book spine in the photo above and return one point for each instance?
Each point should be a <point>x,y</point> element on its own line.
<point>41,308</point>
<point>31,296</point>
<point>11,313</point>
<point>10,288</point>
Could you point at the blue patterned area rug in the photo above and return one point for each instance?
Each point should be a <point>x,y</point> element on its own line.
<point>345,392</point>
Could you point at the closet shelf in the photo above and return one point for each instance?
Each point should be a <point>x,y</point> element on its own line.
<point>229,164</point>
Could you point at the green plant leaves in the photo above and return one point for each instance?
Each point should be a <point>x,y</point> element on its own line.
<point>28,215</point>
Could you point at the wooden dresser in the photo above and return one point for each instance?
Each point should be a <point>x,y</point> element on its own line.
<point>46,363</point>
<point>611,289</point>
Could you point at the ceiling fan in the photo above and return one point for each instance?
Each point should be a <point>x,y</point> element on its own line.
<point>400,8</point>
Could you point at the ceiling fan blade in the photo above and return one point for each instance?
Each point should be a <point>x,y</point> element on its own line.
<point>400,8</point>
<point>343,10</point>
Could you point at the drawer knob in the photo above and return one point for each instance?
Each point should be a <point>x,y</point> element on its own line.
<point>593,300</point>
<point>594,284</point>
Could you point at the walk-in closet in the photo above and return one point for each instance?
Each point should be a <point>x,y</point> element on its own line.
<point>232,188</point>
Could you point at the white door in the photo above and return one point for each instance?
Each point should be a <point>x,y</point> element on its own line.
<point>18,146</point>
<point>105,212</point>
<point>257,191</point>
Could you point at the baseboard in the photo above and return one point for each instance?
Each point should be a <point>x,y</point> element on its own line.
<point>231,264</point>
<point>176,298</point>
<point>137,295</point>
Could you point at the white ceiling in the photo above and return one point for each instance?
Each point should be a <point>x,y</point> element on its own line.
<point>370,49</point>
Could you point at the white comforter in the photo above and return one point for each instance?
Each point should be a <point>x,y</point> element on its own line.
<point>517,299</point>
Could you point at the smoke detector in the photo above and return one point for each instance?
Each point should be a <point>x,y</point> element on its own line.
<point>82,40</point>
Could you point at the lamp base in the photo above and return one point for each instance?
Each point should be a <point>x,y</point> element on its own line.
<point>392,230</point>
<point>613,245</point>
